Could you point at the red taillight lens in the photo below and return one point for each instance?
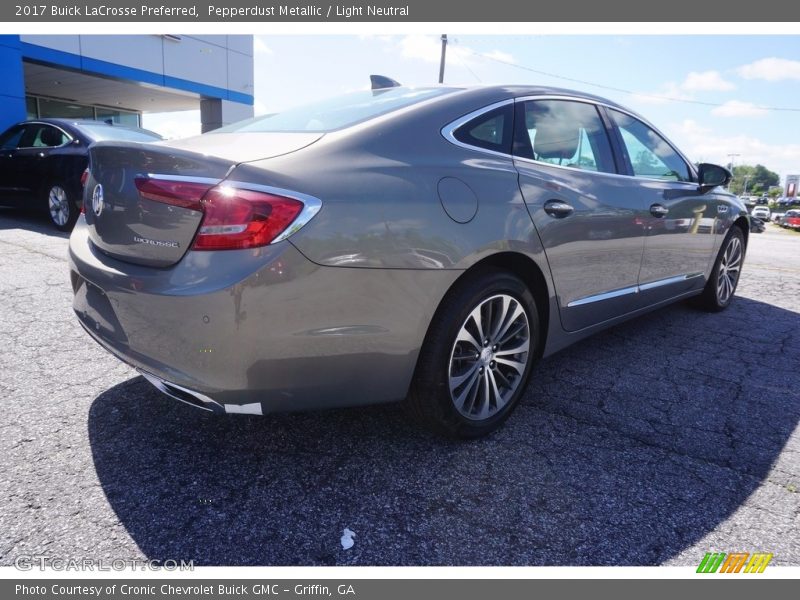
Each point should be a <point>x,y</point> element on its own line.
<point>186,194</point>
<point>84,177</point>
<point>236,218</point>
<point>233,218</point>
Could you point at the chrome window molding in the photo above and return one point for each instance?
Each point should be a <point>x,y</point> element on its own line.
<point>70,139</point>
<point>448,132</point>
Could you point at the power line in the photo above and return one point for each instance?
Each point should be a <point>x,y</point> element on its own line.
<point>617,89</point>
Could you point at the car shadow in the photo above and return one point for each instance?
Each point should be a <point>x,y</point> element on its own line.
<point>626,449</point>
<point>30,220</point>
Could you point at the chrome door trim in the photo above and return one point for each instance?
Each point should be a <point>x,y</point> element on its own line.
<point>604,296</point>
<point>668,281</point>
<point>635,289</point>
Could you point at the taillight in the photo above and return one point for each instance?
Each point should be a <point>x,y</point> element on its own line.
<point>233,218</point>
<point>236,218</point>
<point>84,177</point>
<point>186,194</point>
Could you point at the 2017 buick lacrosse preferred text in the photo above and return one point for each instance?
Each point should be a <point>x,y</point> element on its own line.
<point>424,245</point>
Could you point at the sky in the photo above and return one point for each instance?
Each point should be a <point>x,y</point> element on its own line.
<point>739,79</point>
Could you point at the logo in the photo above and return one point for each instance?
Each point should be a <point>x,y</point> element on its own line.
<point>734,562</point>
<point>97,200</point>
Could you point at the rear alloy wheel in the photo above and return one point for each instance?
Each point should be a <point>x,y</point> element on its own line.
<point>489,357</point>
<point>477,356</point>
<point>721,286</point>
<point>60,207</point>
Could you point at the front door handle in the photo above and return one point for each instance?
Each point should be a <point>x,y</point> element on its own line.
<point>558,209</point>
<point>658,210</point>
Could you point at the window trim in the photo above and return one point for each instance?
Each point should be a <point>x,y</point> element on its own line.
<point>519,108</point>
<point>625,155</point>
<point>69,137</point>
<point>611,129</point>
<point>448,131</point>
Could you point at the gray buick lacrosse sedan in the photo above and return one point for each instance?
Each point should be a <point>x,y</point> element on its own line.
<point>424,245</point>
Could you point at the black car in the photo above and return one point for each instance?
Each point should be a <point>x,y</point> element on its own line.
<point>41,163</point>
<point>757,225</point>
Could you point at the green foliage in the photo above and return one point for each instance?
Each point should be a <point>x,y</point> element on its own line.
<point>758,179</point>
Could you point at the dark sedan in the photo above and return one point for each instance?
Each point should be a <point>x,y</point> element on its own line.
<point>41,163</point>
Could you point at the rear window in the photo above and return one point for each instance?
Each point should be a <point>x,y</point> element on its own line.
<point>338,112</point>
<point>100,133</point>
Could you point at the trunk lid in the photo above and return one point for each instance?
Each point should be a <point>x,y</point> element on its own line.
<point>129,227</point>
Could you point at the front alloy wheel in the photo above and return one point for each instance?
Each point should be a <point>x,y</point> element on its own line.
<point>729,267</point>
<point>721,285</point>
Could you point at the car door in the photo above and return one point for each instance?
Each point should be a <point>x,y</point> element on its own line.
<point>32,167</point>
<point>590,223</point>
<point>9,141</point>
<point>681,222</point>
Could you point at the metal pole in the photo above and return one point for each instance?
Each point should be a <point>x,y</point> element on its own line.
<point>441,63</point>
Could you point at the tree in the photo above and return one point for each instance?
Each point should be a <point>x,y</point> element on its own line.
<point>759,179</point>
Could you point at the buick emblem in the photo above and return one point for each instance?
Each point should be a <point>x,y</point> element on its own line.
<point>97,200</point>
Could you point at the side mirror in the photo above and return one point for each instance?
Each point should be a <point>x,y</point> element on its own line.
<point>712,176</point>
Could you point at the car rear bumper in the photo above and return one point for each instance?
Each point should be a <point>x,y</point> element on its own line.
<point>258,330</point>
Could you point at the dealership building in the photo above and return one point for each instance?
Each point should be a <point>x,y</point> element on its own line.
<point>118,78</point>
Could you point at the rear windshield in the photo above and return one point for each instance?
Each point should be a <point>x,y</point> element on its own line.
<point>338,112</point>
<point>100,133</point>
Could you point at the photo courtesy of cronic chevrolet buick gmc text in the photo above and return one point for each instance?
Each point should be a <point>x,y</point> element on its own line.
<point>424,245</point>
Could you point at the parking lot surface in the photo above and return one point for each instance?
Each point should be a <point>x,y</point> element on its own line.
<point>652,443</point>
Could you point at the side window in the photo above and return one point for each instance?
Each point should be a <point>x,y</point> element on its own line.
<point>48,137</point>
<point>564,133</point>
<point>491,130</point>
<point>10,139</point>
<point>650,154</point>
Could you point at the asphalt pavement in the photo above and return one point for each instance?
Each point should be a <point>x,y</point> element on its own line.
<point>652,443</point>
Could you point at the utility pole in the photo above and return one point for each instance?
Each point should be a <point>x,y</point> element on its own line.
<point>441,62</point>
<point>731,156</point>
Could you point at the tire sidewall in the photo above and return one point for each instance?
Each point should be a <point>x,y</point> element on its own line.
<point>714,279</point>
<point>74,210</point>
<point>435,374</point>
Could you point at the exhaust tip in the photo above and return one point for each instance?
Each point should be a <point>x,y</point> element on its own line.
<point>183,394</point>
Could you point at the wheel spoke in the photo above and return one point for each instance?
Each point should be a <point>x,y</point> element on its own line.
<point>483,377</point>
<point>519,367</point>
<point>468,393</point>
<point>515,314</point>
<point>456,381</point>
<point>520,348</point>
<point>465,336</point>
<point>477,318</point>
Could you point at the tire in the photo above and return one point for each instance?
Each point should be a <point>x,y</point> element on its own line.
<point>718,294</point>
<point>505,309</point>
<point>60,206</point>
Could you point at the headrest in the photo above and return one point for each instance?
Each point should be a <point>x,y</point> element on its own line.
<point>51,137</point>
<point>555,139</point>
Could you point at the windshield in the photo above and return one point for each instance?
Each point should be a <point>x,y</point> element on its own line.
<point>338,112</point>
<point>101,132</point>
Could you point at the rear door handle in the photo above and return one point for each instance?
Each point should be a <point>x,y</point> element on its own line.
<point>558,209</point>
<point>658,210</point>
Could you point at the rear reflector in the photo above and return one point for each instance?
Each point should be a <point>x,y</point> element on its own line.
<point>233,218</point>
<point>84,177</point>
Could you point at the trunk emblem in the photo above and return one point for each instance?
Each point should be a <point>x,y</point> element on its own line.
<point>97,200</point>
